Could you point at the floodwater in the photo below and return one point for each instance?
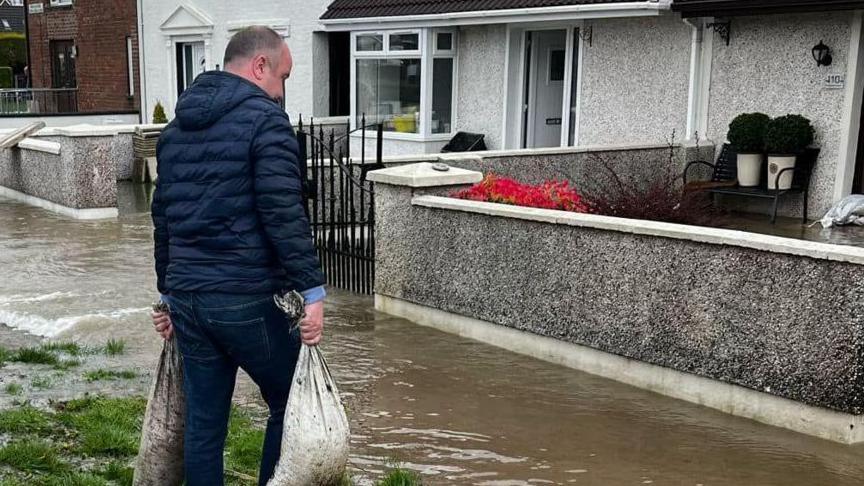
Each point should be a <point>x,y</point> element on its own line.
<point>457,411</point>
<point>792,228</point>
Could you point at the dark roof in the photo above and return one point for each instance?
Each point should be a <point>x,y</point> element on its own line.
<point>352,9</point>
<point>707,8</point>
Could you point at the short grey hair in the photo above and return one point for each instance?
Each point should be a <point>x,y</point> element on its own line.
<point>251,41</point>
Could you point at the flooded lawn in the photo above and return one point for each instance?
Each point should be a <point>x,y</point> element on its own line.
<point>459,412</point>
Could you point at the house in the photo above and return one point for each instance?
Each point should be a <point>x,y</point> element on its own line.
<point>536,74</point>
<point>181,39</point>
<point>83,57</point>
<point>541,73</point>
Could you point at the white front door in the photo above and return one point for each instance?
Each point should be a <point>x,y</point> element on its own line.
<point>190,63</point>
<point>545,90</point>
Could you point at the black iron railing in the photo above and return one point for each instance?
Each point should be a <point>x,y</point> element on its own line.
<point>38,101</point>
<point>341,202</point>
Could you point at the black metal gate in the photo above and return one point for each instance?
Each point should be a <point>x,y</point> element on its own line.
<point>340,201</point>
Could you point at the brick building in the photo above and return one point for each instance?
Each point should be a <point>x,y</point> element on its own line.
<point>88,51</point>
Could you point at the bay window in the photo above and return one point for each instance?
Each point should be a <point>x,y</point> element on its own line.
<point>405,81</point>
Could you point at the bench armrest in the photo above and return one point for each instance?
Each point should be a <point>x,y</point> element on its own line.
<point>696,162</point>
<point>787,169</point>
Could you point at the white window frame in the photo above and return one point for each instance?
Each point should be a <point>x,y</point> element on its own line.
<point>130,61</point>
<point>445,54</point>
<point>426,54</point>
<point>60,3</point>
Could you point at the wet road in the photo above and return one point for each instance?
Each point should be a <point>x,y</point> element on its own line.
<point>458,411</point>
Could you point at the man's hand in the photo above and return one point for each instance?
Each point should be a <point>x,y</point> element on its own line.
<point>312,326</point>
<point>162,323</point>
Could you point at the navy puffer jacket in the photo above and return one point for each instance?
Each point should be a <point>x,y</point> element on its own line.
<point>228,208</point>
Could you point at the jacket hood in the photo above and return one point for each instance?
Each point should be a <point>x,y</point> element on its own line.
<point>213,95</point>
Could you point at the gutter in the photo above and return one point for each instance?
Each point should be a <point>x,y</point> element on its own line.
<point>142,72</point>
<point>503,16</point>
<point>705,8</point>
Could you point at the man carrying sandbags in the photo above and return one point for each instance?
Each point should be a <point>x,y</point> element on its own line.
<point>230,232</point>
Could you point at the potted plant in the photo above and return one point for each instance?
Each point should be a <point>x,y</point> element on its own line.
<point>785,138</point>
<point>747,137</point>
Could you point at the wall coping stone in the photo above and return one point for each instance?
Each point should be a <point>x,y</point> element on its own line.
<point>40,146</point>
<point>423,175</point>
<point>86,130</point>
<point>714,236</point>
<point>581,149</point>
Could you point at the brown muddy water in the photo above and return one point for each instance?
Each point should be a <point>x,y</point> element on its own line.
<point>457,411</point>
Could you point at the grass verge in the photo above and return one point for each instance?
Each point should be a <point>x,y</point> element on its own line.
<point>103,375</point>
<point>93,440</point>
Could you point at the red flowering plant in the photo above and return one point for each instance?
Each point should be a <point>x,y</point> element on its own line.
<point>549,195</point>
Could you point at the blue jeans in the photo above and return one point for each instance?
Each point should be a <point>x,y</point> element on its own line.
<point>217,334</point>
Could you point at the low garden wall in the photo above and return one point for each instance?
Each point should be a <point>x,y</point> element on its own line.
<point>765,327</point>
<point>72,170</point>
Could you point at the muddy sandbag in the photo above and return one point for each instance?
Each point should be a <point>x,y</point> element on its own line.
<point>315,434</point>
<point>160,456</point>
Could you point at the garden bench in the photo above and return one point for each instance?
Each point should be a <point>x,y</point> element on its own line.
<point>724,179</point>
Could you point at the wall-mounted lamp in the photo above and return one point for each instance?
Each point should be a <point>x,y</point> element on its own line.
<point>822,54</point>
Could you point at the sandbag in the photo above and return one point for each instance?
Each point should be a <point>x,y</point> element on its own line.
<point>315,434</point>
<point>850,210</point>
<point>160,456</point>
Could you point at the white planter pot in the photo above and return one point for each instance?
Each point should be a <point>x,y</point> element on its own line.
<point>777,163</point>
<point>749,169</point>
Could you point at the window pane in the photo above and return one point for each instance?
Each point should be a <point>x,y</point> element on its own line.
<point>370,42</point>
<point>556,65</point>
<point>388,92</point>
<point>573,89</point>
<point>404,42</point>
<point>444,41</point>
<point>442,95</point>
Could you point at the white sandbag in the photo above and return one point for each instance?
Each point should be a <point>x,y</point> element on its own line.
<point>160,456</point>
<point>315,434</point>
<point>850,210</point>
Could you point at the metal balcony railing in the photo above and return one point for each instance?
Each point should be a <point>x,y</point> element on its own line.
<point>46,101</point>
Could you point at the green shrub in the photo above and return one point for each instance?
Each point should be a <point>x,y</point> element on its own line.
<point>747,132</point>
<point>159,114</point>
<point>788,135</point>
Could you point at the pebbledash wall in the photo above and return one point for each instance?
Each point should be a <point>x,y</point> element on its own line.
<point>762,327</point>
<point>635,77</point>
<point>72,170</point>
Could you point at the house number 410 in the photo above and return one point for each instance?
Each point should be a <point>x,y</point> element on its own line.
<point>835,81</point>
